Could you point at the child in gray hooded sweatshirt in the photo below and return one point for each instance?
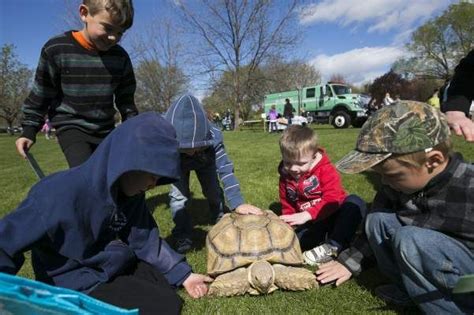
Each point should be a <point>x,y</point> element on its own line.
<point>202,150</point>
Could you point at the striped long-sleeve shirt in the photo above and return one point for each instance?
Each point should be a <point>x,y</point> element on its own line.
<point>225,171</point>
<point>445,205</point>
<point>79,88</point>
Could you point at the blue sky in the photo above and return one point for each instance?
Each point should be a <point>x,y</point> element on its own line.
<point>359,39</point>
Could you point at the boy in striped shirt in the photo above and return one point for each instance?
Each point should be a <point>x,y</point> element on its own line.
<point>82,76</point>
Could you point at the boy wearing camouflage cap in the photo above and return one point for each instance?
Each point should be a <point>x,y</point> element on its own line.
<point>420,228</point>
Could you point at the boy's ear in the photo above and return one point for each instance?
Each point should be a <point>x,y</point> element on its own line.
<point>83,12</point>
<point>434,159</point>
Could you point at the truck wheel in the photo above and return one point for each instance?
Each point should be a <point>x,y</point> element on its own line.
<point>341,120</point>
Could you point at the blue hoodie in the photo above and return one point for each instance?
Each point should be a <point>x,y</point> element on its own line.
<point>82,230</point>
<point>193,130</point>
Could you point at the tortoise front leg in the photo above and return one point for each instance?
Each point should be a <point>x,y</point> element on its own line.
<point>231,283</point>
<point>294,278</point>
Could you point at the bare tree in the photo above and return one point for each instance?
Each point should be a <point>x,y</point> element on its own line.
<point>14,84</point>
<point>158,57</point>
<point>338,77</point>
<point>281,75</point>
<point>237,36</point>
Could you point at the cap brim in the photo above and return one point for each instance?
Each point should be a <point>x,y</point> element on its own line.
<point>356,161</point>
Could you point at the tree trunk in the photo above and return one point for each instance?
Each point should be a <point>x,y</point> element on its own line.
<point>10,127</point>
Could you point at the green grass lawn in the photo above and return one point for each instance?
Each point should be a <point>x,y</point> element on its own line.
<point>256,156</point>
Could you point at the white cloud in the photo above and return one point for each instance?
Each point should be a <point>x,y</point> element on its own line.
<point>381,15</point>
<point>358,65</point>
<point>402,37</point>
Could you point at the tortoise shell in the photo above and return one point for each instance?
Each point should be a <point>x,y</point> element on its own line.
<point>239,240</point>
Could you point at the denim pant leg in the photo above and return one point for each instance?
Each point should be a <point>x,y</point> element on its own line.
<point>380,228</point>
<point>179,195</point>
<point>211,189</point>
<point>347,219</point>
<point>431,264</point>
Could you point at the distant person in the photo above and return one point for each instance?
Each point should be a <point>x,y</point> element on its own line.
<point>434,99</point>
<point>373,105</point>
<point>273,118</point>
<point>89,228</point>
<point>47,129</point>
<point>82,76</point>
<point>387,100</point>
<point>217,120</point>
<point>420,227</point>
<point>227,121</point>
<point>202,150</point>
<point>460,95</point>
<point>312,198</point>
<point>288,111</point>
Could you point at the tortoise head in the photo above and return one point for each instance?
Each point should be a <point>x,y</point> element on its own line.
<point>261,276</point>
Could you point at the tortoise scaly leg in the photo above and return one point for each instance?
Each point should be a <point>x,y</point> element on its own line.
<point>294,278</point>
<point>230,283</point>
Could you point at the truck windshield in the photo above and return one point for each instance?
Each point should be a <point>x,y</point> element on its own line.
<point>341,89</point>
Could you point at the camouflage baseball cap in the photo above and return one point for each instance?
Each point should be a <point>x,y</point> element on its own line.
<point>404,127</point>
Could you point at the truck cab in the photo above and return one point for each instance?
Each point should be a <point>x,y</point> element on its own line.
<point>334,103</point>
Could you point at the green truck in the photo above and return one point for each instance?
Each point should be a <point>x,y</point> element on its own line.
<point>332,103</point>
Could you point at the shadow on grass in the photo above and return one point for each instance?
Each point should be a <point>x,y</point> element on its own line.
<point>373,179</point>
<point>197,210</point>
<point>199,239</point>
<point>371,278</point>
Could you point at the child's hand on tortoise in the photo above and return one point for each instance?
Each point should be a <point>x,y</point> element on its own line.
<point>248,209</point>
<point>196,285</point>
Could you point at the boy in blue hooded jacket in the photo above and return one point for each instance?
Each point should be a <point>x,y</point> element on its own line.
<point>202,150</point>
<point>89,228</point>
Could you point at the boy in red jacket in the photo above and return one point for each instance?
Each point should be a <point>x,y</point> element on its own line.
<point>313,199</point>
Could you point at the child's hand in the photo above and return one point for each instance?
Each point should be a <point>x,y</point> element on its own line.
<point>331,271</point>
<point>196,285</point>
<point>22,145</point>
<point>296,218</point>
<point>248,209</point>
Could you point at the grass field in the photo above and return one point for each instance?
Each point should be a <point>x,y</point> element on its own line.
<point>256,156</point>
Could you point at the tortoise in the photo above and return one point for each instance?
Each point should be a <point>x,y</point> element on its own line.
<point>255,254</point>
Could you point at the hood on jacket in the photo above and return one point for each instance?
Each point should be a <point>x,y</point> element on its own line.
<point>146,142</point>
<point>190,121</point>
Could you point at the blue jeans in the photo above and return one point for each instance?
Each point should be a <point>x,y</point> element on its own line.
<point>339,228</point>
<point>426,263</point>
<point>180,194</point>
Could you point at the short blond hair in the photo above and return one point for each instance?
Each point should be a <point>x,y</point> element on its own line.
<point>417,159</point>
<point>121,11</point>
<point>297,140</point>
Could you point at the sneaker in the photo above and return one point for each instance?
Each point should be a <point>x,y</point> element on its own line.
<point>392,294</point>
<point>320,255</point>
<point>183,245</point>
